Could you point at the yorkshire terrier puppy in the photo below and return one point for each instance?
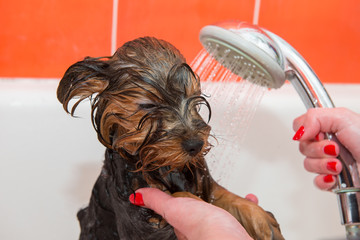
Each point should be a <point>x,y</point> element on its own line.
<point>145,104</point>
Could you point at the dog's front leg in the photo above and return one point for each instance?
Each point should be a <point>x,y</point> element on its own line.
<point>257,222</point>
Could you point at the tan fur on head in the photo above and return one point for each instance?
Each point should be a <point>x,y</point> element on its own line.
<point>145,102</point>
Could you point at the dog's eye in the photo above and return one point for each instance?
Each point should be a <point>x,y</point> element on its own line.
<point>147,106</point>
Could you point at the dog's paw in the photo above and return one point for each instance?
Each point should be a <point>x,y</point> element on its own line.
<point>260,225</point>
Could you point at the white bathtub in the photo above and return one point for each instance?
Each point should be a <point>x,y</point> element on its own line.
<point>50,161</point>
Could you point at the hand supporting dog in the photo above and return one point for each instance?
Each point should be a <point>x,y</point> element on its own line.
<point>145,104</point>
<point>192,219</point>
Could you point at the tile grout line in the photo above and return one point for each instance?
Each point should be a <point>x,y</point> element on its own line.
<point>256,12</point>
<point>114,26</point>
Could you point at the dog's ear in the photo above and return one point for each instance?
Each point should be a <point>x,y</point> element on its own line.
<point>82,80</point>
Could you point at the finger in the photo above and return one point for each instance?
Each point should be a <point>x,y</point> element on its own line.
<point>170,207</point>
<point>320,136</point>
<point>253,198</point>
<point>298,122</point>
<point>318,120</point>
<point>154,198</point>
<point>320,149</point>
<point>165,205</point>
<point>323,166</point>
<point>325,182</point>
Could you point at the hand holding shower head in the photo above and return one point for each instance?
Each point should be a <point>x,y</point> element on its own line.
<point>264,58</point>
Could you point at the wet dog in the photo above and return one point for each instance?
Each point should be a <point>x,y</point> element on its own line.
<point>145,104</point>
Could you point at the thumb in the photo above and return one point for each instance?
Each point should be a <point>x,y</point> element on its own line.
<point>172,209</point>
<point>192,218</point>
<point>340,121</point>
<point>316,120</point>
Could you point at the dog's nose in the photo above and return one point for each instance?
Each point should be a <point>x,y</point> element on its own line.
<point>193,146</point>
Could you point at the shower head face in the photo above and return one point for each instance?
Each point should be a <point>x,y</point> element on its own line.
<point>247,51</point>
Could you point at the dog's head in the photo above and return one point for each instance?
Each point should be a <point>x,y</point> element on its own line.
<point>145,102</point>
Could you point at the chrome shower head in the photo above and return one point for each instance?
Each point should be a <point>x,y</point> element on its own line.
<point>262,57</point>
<point>255,54</point>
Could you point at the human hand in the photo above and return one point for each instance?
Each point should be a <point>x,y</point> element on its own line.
<point>192,219</point>
<point>321,153</point>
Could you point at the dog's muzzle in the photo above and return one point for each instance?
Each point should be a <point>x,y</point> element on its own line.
<point>192,146</point>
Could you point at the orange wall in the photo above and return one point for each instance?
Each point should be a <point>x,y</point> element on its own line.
<point>41,38</point>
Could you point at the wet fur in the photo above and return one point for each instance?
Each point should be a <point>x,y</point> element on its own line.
<point>145,109</point>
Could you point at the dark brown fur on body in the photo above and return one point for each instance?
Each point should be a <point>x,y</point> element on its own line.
<point>145,108</point>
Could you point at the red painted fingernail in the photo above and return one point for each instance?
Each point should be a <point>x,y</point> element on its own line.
<point>328,178</point>
<point>317,137</point>
<point>137,199</point>
<point>331,166</point>
<point>299,133</point>
<point>330,150</point>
